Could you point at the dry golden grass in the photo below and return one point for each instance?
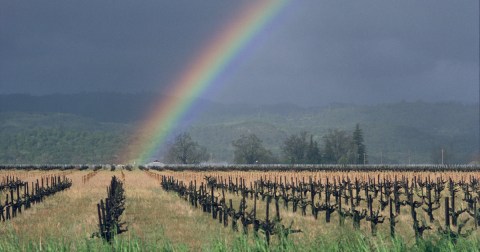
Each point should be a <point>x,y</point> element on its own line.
<point>313,228</point>
<point>66,215</point>
<point>153,215</point>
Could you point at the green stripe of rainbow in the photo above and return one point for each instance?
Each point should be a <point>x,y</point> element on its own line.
<point>201,73</point>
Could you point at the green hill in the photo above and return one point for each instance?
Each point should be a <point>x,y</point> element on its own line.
<point>58,138</point>
<point>394,133</point>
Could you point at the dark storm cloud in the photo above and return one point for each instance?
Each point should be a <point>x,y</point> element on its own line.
<point>71,46</point>
<point>316,53</point>
<point>369,51</point>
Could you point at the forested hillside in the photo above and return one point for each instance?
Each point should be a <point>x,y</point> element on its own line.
<point>82,129</point>
<point>394,133</point>
<point>58,138</point>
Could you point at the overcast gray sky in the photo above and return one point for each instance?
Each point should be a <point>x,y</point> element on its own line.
<point>316,52</point>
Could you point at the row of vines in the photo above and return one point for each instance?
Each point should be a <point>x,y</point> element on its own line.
<point>442,203</point>
<point>20,195</point>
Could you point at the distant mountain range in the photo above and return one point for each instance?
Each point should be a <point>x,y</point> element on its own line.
<point>402,132</point>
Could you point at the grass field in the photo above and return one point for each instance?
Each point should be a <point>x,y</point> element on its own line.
<point>160,221</point>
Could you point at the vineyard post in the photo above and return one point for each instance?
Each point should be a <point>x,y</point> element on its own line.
<point>276,197</point>
<point>251,189</point>
<point>202,198</point>
<point>336,191</point>
<point>223,193</point>
<point>2,212</point>
<point>447,214</point>
<point>468,198</point>
<point>357,192</point>
<point>14,208</point>
<point>234,220</point>
<point>341,214</point>
<point>195,195</point>
<point>454,213</point>
<point>244,187</point>
<point>100,222</point>
<point>373,227</point>
<point>19,205</point>
<point>108,219</point>
<point>312,194</point>
<point>285,197</point>
<point>236,185</point>
<point>33,191</point>
<point>303,206</point>
<point>414,216</point>
<point>404,181</point>
<point>267,221</point>
<point>328,208</point>
<point>262,189</point>
<point>366,191</point>
<point>219,211</point>
<point>429,208</point>
<point>475,214</point>
<point>396,196</point>
<point>277,210</point>
<point>212,203</point>
<point>225,213</point>
<point>243,210</point>
<point>25,190</point>
<point>28,197</point>
<point>7,208</point>
<point>392,219</point>
<point>350,191</point>
<point>255,223</point>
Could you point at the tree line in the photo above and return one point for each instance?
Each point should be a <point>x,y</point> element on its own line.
<point>60,145</point>
<point>336,147</point>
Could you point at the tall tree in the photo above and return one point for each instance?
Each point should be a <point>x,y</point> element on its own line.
<point>249,150</point>
<point>313,155</point>
<point>359,147</point>
<point>186,151</point>
<point>297,149</point>
<point>337,147</point>
<point>294,148</point>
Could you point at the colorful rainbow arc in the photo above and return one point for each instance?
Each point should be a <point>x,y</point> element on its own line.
<point>199,75</point>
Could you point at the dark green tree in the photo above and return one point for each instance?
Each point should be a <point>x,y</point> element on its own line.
<point>186,151</point>
<point>294,148</point>
<point>313,155</point>
<point>297,149</point>
<point>338,147</point>
<point>358,146</point>
<point>249,150</point>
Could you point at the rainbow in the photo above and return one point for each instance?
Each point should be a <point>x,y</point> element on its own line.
<point>201,72</point>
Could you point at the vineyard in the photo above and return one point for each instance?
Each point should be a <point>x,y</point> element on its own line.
<point>215,208</point>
